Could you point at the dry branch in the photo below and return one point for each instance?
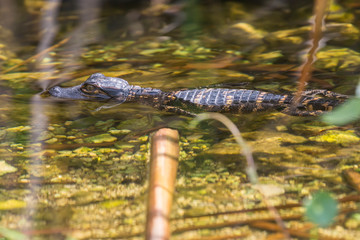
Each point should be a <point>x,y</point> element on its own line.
<point>163,168</point>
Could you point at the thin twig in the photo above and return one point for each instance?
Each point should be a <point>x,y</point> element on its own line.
<point>62,42</point>
<point>251,168</point>
<point>320,8</point>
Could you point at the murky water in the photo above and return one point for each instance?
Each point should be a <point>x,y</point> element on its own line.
<point>68,170</point>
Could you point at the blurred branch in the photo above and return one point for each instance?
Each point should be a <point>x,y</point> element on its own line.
<point>40,54</point>
<point>306,69</point>
<point>163,167</point>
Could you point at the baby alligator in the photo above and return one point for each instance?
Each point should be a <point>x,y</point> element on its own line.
<point>98,87</point>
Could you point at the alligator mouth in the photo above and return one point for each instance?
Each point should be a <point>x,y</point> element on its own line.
<point>74,93</point>
<point>69,93</point>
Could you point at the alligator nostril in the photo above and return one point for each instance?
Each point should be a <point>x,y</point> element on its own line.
<point>54,91</point>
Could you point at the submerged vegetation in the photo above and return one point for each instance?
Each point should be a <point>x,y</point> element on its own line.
<point>69,170</point>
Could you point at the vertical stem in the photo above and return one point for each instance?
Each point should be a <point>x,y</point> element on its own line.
<point>316,35</point>
<point>163,168</point>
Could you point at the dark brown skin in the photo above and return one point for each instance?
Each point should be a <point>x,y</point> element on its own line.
<point>98,87</point>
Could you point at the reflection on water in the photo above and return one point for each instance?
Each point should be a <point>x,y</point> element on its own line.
<point>39,124</point>
<point>68,170</point>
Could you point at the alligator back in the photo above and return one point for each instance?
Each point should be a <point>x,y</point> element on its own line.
<point>232,100</point>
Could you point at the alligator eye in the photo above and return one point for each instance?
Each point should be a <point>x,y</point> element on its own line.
<point>88,88</point>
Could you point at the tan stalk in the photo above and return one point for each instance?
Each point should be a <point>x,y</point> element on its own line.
<point>163,167</point>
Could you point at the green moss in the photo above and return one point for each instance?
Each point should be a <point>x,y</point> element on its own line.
<point>339,137</point>
<point>19,129</point>
<point>12,204</point>
<point>105,125</point>
<point>151,52</point>
<point>244,33</point>
<point>119,131</point>
<point>6,168</point>
<point>267,57</point>
<point>51,140</point>
<point>311,129</point>
<point>334,59</point>
<point>101,138</point>
<point>82,150</point>
<point>113,203</point>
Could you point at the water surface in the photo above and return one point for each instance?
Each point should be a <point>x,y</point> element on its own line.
<point>67,170</point>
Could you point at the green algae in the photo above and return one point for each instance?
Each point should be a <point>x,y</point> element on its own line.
<point>312,150</point>
<point>335,59</point>
<point>113,203</point>
<point>240,77</point>
<point>267,57</point>
<point>12,204</point>
<point>105,125</point>
<point>80,150</point>
<point>12,234</point>
<point>106,137</point>
<point>344,33</point>
<point>288,37</point>
<point>151,52</point>
<point>94,181</point>
<point>244,33</point>
<point>113,131</point>
<point>337,13</point>
<point>18,129</point>
<point>338,137</point>
<point>6,168</point>
<point>313,128</point>
<point>347,34</point>
<point>133,124</point>
<point>58,130</point>
<point>45,135</point>
<point>353,222</point>
<point>82,122</point>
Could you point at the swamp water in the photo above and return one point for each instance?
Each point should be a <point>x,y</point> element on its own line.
<point>70,171</point>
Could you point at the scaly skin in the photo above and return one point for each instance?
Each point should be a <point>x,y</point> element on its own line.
<point>98,87</point>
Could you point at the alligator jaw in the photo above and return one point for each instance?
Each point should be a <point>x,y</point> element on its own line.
<point>69,93</point>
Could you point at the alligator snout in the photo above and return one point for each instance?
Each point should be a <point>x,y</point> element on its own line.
<point>55,91</point>
<point>69,92</point>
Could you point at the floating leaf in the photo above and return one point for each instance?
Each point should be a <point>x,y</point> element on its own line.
<point>6,168</point>
<point>101,138</point>
<point>321,209</point>
<point>343,138</point>
<point>346,113</point>
<point>12,234</point>
<point>12,204</point>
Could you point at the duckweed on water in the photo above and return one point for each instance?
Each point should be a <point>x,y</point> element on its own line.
<point>12,204</point>
<point>119,131</point>
<point>113,203</point>
<point>106,137</point>
<point>6,168</point>
<point>339,33</point>
<point>244,34</point>
<point>343,138</point>
<point>334,59</point>
<point>18,129</point>
<point>109,183</point>
<point>314,128</point>
<point>105,125</point>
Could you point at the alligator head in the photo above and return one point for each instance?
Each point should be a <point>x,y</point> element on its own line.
<point>96,87</point>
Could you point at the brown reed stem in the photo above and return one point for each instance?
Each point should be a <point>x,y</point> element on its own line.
<point>320,8</point>
<point>163,167</point>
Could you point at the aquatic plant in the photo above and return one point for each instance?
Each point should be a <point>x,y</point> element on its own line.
<point>321,208</point>
<point>346,113</point>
